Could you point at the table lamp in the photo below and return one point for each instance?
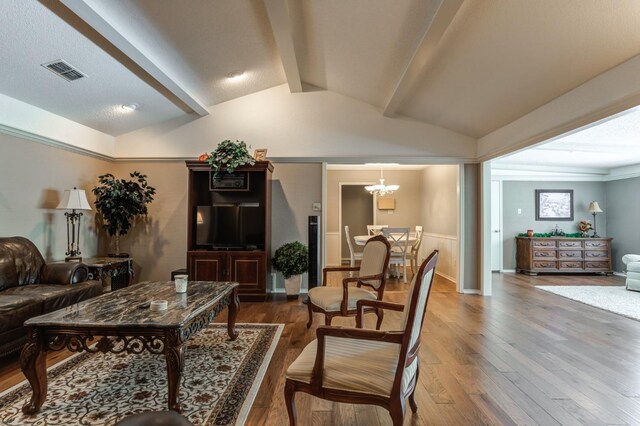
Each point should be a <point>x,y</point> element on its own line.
<point>73,199</point>
<point>593,209</point>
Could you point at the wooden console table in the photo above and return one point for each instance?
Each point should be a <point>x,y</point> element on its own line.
<point>565,255</point>
<point>119,269</point>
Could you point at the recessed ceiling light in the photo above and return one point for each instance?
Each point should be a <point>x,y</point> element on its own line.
<point>236,75</point>
<point>130,107</point>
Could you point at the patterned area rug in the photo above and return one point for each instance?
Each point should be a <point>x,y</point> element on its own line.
<point>219,382</point>
<point>616,299</point>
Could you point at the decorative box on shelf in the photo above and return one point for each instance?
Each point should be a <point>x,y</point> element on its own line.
<point>563,255</point>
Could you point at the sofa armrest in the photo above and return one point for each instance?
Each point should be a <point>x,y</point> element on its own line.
<point>629,258</point>
<point>64,273</point>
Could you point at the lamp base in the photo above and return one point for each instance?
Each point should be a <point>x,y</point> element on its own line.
<point>73,259</point>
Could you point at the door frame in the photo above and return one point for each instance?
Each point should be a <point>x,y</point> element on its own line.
<point>500,224</point>
<point>340,228</point>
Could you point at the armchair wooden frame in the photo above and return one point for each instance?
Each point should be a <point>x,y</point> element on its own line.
<point>395,403</point>
<point>360,281</point>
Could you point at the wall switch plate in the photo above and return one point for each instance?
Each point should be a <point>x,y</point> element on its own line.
<point>317,207</point>
<point>519,211</point>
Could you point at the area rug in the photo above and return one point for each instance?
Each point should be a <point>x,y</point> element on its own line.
<point>616,299</point>
<point>219,383</point>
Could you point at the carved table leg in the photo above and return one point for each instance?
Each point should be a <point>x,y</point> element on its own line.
<point>34,367</point>
<point>234,307</point>
<point>174,354</point>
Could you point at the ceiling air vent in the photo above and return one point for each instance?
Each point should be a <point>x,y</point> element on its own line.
<point>64,70</point>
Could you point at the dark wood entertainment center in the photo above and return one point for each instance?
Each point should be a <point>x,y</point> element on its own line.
<point>248,265</point>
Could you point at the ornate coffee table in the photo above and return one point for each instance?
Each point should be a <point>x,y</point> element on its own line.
<point>116,323</point>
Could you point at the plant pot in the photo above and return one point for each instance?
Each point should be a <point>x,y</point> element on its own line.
<point>292,286</point>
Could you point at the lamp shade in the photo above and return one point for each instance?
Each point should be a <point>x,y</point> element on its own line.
<point>594,207</point>
<point>74,199</point>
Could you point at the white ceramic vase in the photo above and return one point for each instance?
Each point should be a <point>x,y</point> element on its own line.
<point>292,286</point>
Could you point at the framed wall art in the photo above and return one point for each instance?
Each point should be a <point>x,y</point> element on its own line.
<point>554,204</point>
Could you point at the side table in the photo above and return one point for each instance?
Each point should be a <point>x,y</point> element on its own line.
<point>118,269</point>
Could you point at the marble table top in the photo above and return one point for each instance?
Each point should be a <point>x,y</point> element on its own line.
<point>104,261</point>
<point>121,308</point>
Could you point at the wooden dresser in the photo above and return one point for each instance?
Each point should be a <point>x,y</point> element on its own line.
<point>566,255</point>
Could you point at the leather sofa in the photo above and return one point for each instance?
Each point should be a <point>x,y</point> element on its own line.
<point>633,271</point>
<point>30,287</point>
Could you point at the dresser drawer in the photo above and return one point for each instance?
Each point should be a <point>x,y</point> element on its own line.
<point>544,244</point>
<point>570,244</point>
<point>571,265</point>
<point>596,254</point>
<point>570,254</point>
<point>544,265</point>
<point>544,254</point>
<point>596,244</point>
<point>600,266</point>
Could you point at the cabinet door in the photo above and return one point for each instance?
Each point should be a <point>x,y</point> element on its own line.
<point>248,269</point>
<point>206,266</point>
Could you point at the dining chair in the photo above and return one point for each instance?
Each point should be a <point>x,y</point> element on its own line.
<point>354,255</point>
<point>399,240</point>
<point>361,366</point>
<point>414,254</point>
<point>375,229</point>
<point>341,301</point>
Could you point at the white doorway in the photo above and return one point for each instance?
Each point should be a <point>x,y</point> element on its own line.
<point>357,210</point>
<point>496,225</point>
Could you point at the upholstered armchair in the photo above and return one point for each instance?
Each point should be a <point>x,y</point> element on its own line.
<point>633,271</point>
<point>361,366</point>
<point>341,301</point>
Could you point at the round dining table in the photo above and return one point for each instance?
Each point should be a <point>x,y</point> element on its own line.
<point>362,239</point>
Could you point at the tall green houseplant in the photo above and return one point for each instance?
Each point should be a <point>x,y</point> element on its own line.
<point>121,201</point>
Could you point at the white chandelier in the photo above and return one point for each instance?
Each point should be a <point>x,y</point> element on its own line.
<point>381,189</point>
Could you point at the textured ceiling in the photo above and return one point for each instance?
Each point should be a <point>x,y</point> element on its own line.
<point>357,48</point>
<point>497,60</point>
<point>613,143</point>
<point>203,41</point>
<point>502,59</point>
<point>30,34</point>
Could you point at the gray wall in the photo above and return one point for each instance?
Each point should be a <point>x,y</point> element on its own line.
<point>471,227</point>
<point>623,211</point>
<point>33,178</point>
<point>357,213</point>
<point>519,194</point>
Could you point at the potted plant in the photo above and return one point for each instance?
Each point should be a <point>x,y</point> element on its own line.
<point>120,202</point>
<point>228,156</point>
<point>292,261</point>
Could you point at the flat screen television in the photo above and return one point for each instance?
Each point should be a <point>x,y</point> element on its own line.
<point>231,226</point>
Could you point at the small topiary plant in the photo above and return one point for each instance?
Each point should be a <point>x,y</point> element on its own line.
<point>291,259</point>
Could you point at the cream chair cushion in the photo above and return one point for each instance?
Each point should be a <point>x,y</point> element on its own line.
<point>354,365</point>
<point>330,298</point>
<point>633,271</point>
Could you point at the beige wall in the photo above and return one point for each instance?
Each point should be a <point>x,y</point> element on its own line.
<point>33,178</point>
<point>407,212</point>
<point>439,216</point>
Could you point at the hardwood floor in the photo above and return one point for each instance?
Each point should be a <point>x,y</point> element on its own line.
<point>520,357</point>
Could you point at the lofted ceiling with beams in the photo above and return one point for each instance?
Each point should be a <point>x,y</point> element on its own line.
<point>471,66</point>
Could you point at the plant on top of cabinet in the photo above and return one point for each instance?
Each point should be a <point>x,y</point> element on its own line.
<point>228,155</point>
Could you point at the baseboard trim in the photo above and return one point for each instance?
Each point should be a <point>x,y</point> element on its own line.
<point>446,277</point>
<point>508,270</point>
<point>470,291</point>
<point>283,291</point>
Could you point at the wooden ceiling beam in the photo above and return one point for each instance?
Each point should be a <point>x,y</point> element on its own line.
<point>280,20</point>
<point>444,12</point>
<point>99,23</point>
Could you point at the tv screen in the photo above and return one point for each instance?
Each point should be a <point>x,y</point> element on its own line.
<point>231,226</point>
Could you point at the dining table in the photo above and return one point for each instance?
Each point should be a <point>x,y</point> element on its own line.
<point>361,240</point>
